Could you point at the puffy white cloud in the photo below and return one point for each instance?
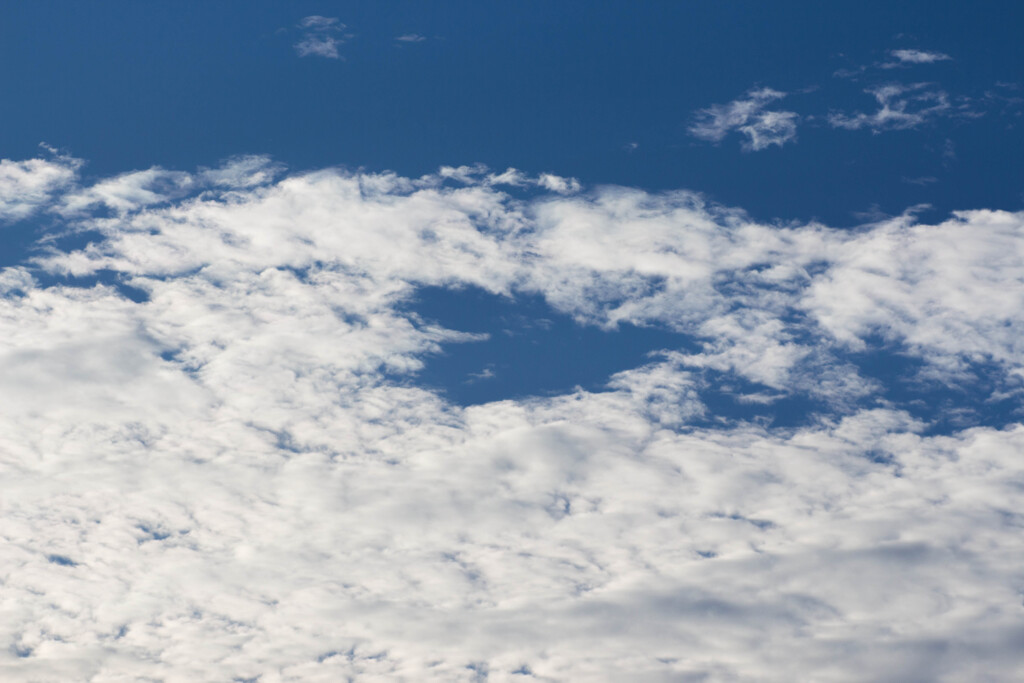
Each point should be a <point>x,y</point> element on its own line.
<point>556,183</point>
<point>25,186</point>
<point>748,116</point>
<point>236,477</point>
<point>950,290</point>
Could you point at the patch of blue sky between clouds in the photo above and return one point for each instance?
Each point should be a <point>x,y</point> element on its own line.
<point>528,348</point>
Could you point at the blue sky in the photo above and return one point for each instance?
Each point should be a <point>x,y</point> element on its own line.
<point>563,87</point>
<point>542,341</point>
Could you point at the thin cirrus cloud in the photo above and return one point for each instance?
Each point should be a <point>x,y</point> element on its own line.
<point>321,38</point>
<point>899,107</point>
<point>748,116</point>
<point>234,475</point>
<point>410,38</point>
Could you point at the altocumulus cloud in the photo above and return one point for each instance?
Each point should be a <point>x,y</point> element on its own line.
<point>233,475</point>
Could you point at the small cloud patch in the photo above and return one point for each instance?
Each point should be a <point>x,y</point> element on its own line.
<point>916,57</point>
<point>748,117</point>
<point>322,37</point>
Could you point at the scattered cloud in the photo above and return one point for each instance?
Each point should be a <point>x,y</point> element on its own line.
<point>900,107</point>
<point>410,38</point>
<point>318,23</point>
<point>899,59</point>
<point>239,462</point>
<point>559,184</point>
<point>322,37</point>
<point>26,186</point>
<point>748,117</point>
<point>915,57</point>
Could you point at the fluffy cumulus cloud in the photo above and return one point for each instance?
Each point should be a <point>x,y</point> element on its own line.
<point>233,475</point>
<point>748,117</point>
<point>26,185</point>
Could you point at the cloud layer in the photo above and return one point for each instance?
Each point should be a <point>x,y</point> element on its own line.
<point>231,474</point>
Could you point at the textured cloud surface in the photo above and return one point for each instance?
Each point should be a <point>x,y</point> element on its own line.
<point>218,464</point>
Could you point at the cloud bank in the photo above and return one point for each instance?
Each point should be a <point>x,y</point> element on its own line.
<point>231,474</point>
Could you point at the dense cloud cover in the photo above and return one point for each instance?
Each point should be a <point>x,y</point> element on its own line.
<point>218,464</point>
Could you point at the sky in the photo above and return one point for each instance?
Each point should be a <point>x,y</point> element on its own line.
<point>511,341</point>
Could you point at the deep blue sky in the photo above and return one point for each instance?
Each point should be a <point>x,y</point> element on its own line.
<point>543,86</point>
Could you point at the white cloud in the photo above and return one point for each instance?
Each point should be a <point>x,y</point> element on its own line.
<point>322,38</point>
<point>410,38</point>
<point>556,183</point>
<point>770,128</point>
<point>900,107</point>
<point>129,191</point>
<point>748,116</point>
<point>237,478</point>
<point>917,57</point>
<point>948,289</point>
<point>243,171</point>
<point>25,186</point>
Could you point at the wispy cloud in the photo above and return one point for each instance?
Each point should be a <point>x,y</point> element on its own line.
<point>902,58</point>
<point>900,107</point>
<point>748,117</point>
<point>915,57</point>
<point>316,22</point>
<point>322,37</point>
<point>410,38</point>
